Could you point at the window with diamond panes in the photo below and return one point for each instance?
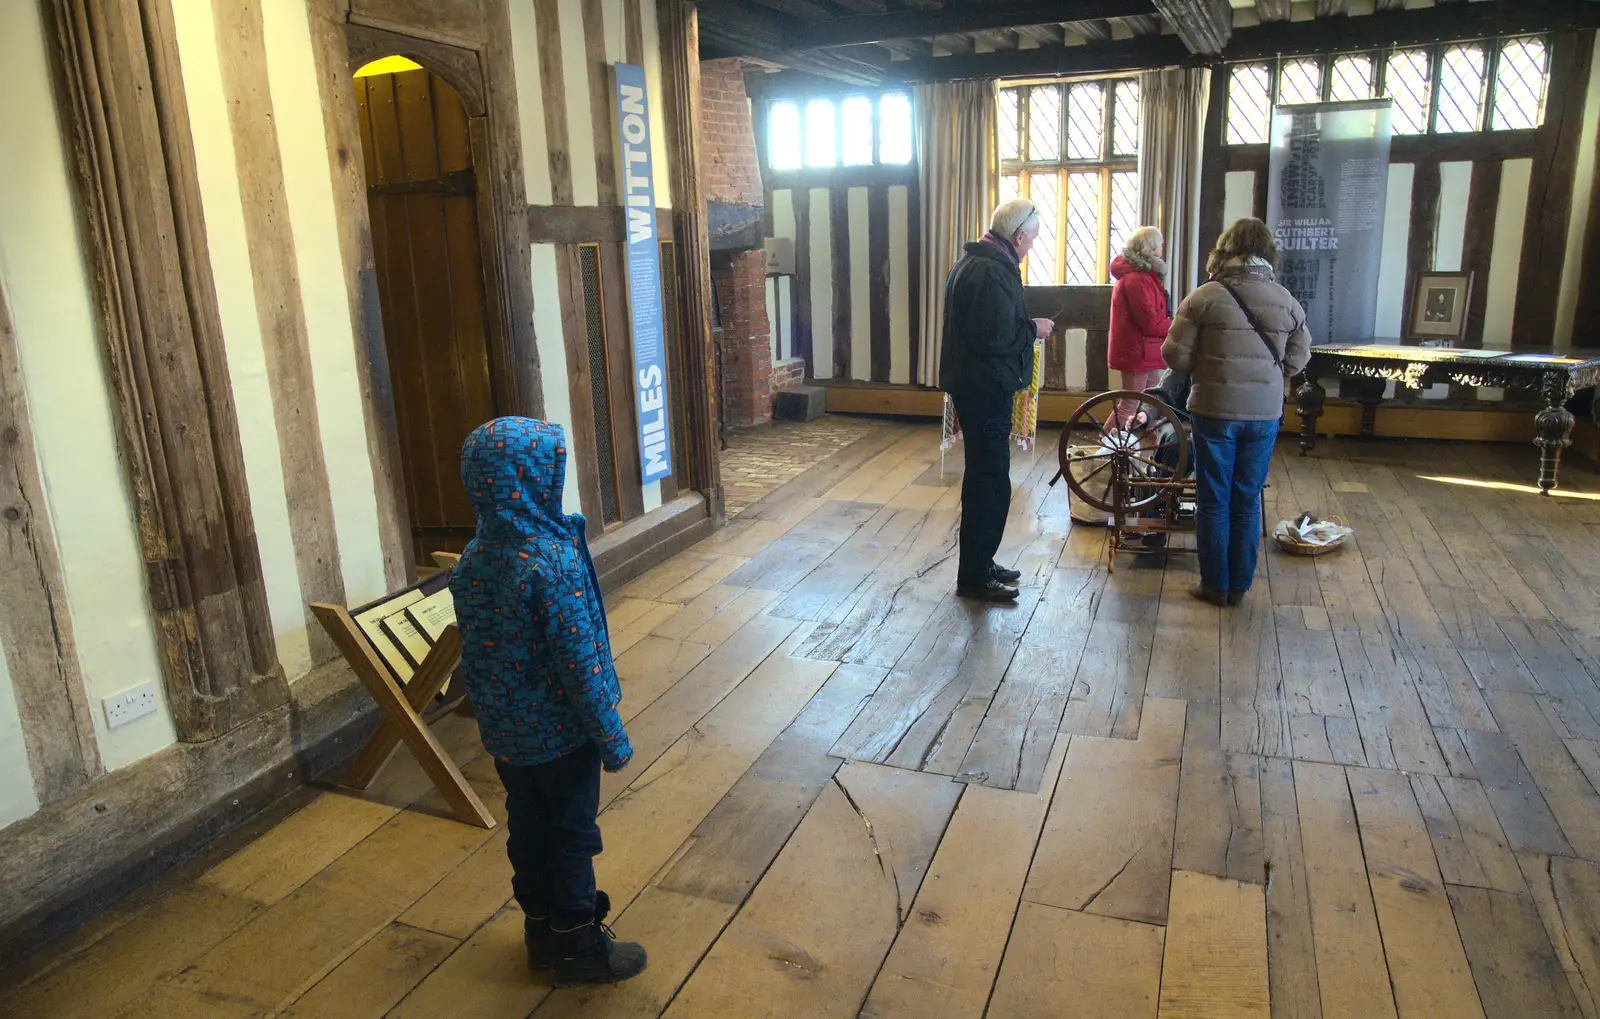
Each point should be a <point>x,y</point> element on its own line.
<point>1010,125</point>
<point>1083,229</point>
<point>1124,214</point>
<point>1350,79</point>
<point>1073,151</point>
<point>1461,81</point>
<point>1044,123</point>
<point>1249,104</point>
<point>1407,81</point>
<point>1125,119</point>
<point>856,130</point>
<point>1043,263</point>
<point>1300,81</point>
<point>1519,85</point>
<point>1086,119</point>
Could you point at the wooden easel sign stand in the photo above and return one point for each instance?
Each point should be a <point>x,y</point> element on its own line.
<point>404,648</point>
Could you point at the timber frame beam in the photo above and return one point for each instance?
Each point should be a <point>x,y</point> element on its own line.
<point>1203,25</point>
<point>121,93</point>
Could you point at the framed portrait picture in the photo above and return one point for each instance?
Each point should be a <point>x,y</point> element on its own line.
<point>1439,303</point>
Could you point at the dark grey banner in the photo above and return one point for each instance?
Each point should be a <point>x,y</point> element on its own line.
<point>1329,178</point>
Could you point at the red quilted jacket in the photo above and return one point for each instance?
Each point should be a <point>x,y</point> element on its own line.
<point>1140,319</point>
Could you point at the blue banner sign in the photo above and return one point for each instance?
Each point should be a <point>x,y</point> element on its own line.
<point>644,272</point>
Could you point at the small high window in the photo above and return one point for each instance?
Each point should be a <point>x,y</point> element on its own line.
<point>828,132</point>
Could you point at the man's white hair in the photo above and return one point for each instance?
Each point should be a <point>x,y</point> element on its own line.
<point>1017,214</point>
<point>1143,241</point>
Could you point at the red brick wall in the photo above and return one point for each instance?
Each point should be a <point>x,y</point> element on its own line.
<point>788,373</point>
<point>731,173</point>
<point>746,342</point>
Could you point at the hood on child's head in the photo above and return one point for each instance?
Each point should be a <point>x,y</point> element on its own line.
<point>514,470</point>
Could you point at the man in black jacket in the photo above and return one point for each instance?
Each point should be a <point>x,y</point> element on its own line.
<point>985,357</point>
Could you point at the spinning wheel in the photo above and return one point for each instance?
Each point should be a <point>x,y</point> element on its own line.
<point>1132,461</point>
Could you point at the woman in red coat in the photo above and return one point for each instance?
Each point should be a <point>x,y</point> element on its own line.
<point>1140,317</point>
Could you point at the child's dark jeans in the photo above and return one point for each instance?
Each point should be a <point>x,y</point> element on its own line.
<point>553,838</point>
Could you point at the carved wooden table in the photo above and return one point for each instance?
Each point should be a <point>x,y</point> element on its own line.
<point>1556,377</point>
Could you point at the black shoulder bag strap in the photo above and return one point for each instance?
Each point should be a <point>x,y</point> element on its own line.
<point>1255,323</point>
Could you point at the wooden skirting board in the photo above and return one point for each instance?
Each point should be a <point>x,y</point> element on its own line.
<point>1338,418</point>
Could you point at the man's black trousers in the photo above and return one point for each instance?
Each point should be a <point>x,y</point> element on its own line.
<point>552,834</point>
<point>986,487</point>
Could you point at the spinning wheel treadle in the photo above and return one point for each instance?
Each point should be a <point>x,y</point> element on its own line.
<point>1138,471</point>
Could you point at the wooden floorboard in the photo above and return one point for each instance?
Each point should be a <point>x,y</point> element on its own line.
<point>1369,790</point>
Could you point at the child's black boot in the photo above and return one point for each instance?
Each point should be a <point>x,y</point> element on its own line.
<point>588,953</point>
<point>539,941</point>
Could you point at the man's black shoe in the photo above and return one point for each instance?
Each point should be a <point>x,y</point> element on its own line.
<point>1004,575</point>
<point>989,590</point>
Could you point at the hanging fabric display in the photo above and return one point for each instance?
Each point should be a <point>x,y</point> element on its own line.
<point>1025,406</point>
<point>950,430</point>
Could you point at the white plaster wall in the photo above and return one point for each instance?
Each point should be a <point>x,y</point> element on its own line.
<point>1450,238</point>
<point>1505,256</point>
<point>580,115</point>
<point>17,798</point>
<point>241,331</point>
<point>553,361</point>
<point>658,99</point>
<point>530,107</point>
<point>1392,276</point>
<point>1583,209</point>
<point>1238,195</point>
<point>47,285</point>
<point>899,285</point>
<point>860,284</point>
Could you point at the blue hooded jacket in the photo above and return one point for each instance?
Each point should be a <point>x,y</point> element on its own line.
<point>535,652</point>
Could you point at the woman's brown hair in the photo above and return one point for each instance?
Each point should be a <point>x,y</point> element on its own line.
<point>1246,238</point>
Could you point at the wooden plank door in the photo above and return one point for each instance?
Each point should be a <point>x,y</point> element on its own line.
<point>421,191</point>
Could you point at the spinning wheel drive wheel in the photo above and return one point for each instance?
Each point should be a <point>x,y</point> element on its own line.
<point>1121,459</point>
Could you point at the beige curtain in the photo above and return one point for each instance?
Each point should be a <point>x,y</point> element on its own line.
<point>959,181</point>
<point>1172,117</point>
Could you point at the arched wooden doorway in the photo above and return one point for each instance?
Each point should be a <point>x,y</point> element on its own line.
<point>422,193</point>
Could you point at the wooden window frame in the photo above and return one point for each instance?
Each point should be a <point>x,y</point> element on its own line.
<point>1107,164</point>
<point>1493,46</point>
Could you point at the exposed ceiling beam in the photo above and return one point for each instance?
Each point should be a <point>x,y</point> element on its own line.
<point>745,30</point>
<point>1278,10</point>
<point>1418,27</point>
<point>1094,31</point>
<point>1143,24</point>
<point>997,38</point>
<point>1047,35</point>
<point>956,18</point>
<point>1203,25</point>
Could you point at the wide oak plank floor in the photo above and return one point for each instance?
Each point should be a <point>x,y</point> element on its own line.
<point>1370,790</point>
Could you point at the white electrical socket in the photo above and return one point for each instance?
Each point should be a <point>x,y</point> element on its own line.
<point>134,702</point>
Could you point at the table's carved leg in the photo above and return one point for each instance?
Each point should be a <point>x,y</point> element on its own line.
<point>1309,397</point>
<point>1552,432</point>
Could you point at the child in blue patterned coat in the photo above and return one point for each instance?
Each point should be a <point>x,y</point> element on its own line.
<point>536,658</point>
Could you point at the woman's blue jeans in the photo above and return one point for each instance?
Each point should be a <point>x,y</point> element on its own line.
<point>1231,459</point>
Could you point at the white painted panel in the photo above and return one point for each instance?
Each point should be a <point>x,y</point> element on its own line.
<point>783,215</point>
<point>43,270</point>
<point>652,496</point>
<point>1490,394</point>
<point>335,374</point>
<point>1506,256</point>
<point>658,99</point>
<point>860,285</point>
<point>553,368</point>
<point>530,103</point>
<point>1583,209</point>
<point>1238,195</point>
<point>1438,391</point>
<point>1392,274</point>
<point>770,292</point>
<point>614,15</point>
<point>580,115</point>
<point>786,315</point>
<point>1077,358</point>
<point>241,331</point>
<point>821,268</point>
<point>1455,185</point>
<point>899,285</point>
<point>17,798</point>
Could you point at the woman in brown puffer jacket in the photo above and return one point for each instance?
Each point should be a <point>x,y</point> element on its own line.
<point>1238,335</point>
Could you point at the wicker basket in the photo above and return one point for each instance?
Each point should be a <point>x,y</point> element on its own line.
<point>1294,547</point>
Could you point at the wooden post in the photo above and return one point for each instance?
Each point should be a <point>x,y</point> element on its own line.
<point>122,101</point>
<point>401,722</point>
<point>680,67</point>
